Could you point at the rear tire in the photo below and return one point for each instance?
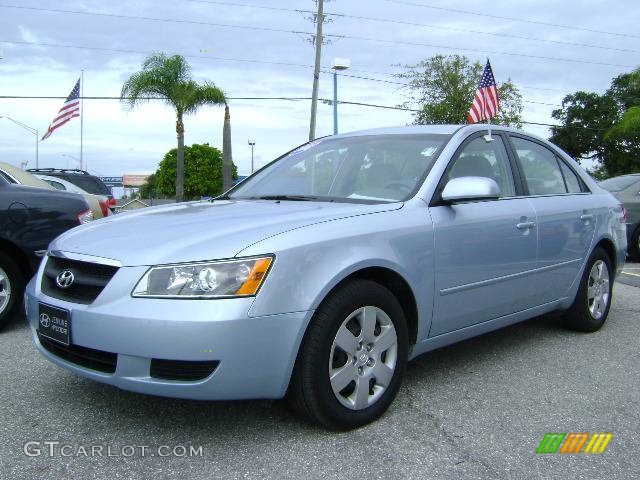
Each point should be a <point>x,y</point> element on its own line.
<point>352,359</point>
<point>593,300</point>
<point>634,247</point>
<point>11,289</point>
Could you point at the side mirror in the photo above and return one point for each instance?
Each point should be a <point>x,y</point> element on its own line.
<point>470,188</point>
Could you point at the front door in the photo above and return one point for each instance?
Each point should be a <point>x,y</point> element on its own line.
<point>485,250</point>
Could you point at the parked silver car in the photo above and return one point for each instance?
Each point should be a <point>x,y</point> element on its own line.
<point>321,275</point>
<point>626,188</point>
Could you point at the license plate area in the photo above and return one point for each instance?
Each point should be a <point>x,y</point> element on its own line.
<point>54,323</point>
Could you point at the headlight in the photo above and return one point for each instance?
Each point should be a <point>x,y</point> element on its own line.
<point>225,278</point>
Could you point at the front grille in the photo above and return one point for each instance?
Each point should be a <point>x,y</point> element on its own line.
<point>85,357</point>
<point>186,371</point>
<point>89,279</point>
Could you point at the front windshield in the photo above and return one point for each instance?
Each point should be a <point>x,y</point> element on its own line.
<point>371,168</point>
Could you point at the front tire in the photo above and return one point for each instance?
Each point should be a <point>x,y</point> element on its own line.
<point>352,359</point>
<point>591,307</point>
<point>11,289</point>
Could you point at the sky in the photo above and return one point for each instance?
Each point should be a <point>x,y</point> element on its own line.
<point>257,48</point>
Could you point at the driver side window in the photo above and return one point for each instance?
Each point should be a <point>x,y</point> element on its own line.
<point>480,158</point>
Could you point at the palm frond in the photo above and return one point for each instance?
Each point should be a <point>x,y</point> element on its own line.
<point>200,95</point>
<point>161,77</point>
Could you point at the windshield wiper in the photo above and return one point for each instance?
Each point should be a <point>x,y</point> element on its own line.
<point>296,198</point>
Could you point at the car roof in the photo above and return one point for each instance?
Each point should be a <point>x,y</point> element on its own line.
<point>24,178</point>
<point>447,129</point>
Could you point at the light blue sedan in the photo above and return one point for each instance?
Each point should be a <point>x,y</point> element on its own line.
<point>322,274</point>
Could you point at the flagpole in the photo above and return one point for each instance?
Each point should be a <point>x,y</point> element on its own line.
<point>488,137</point>
<point>81,114</point>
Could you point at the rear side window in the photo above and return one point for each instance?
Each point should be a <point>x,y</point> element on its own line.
<point>6,177</point>
<point>56,185</point>
<point>540,168</point>
<point>574,185</point>
<point>89,184</point>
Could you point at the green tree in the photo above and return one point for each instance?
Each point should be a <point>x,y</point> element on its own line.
<point>604,128</point>
<point>169,79</point>
<point>202,172</point>
<point>628,128</point>
<point>443,87</point>
<point>148,189</point>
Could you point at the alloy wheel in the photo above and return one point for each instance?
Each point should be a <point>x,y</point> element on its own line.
<point>5,290</point>
<point>598,289</point>
<point>363,358</point>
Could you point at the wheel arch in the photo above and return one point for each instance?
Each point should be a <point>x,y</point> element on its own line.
<point>396,284</point>
<point>18,255</point>
<point>608,246</point>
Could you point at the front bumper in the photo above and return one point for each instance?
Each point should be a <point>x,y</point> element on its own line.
<point>255,354</point>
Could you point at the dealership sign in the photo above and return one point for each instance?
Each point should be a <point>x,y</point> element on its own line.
<point>135,179</point>
<point>112,181</point>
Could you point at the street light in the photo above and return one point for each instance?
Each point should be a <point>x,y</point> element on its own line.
<point>29,129</point>
<point>252,143</point>
<point>338,64</point>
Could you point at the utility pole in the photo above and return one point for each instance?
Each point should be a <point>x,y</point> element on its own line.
<point>316,70</point>
<point>252,143</point>
<point>227,162</point>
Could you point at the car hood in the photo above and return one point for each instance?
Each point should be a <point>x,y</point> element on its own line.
<point>199,230</point>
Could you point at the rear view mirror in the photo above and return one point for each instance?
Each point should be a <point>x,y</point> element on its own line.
<point>470,188</point>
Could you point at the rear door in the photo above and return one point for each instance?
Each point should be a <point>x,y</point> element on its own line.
<point>566,214</point>
<point>484,250</point>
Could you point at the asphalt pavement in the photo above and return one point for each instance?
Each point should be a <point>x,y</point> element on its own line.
<point>631,274</point>
<point>478,409</point>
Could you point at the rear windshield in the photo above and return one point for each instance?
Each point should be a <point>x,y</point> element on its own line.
<point>617,184</point>
<point>89,184</point>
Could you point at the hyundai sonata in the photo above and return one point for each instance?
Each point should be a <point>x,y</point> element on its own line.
<point>322,274</point>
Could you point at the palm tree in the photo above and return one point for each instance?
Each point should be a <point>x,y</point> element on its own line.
<point>169,79</point>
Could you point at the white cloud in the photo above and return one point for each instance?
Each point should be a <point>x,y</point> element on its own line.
<point>117,140</point>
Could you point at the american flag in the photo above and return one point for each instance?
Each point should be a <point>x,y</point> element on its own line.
<point>69,110</point>
<point>486,102</point>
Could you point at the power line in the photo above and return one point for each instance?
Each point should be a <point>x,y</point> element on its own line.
<point>405,84</point>
<point>479,50</point>
<point>294,99</point>
<point>480,32</point>
<point>414,24</point>
<point>352,37</point>
<point>154,19</point>
<point>229,59</point>
<point>142,52</point>
<point>535,22</point>
<point>324,100</point>
<point>112,97</point>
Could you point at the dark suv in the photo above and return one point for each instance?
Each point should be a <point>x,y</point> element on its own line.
<point>80,178</point>
<point>29,219</point>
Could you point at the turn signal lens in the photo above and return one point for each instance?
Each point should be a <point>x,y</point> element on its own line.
<point>256,277</point>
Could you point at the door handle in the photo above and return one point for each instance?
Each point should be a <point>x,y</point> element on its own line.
<point>525,225</point>
<point>586,217</point>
